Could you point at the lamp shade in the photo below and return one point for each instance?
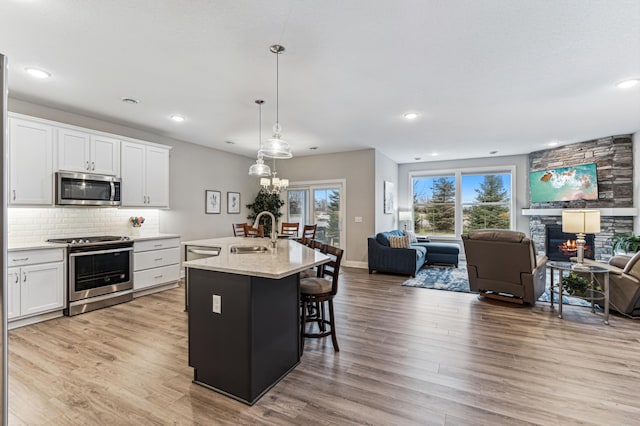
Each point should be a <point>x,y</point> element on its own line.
<point>404,216</point>
<point>581,221</point>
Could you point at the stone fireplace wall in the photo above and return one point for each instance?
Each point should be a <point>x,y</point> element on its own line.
<point>614,162</point>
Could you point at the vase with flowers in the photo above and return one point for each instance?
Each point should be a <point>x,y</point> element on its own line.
<point>136,224</point>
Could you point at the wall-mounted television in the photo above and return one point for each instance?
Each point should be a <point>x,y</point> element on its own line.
<point>564,184</point>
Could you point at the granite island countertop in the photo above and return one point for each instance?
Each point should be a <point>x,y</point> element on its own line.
<point>289,257</point>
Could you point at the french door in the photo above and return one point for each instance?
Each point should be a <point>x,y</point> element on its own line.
<point>319,203</point>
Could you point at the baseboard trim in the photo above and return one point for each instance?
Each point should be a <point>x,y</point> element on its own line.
<point>355,264</point>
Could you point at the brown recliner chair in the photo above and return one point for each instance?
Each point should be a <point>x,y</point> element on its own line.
<point>624,283</point>
<point>502,265</point>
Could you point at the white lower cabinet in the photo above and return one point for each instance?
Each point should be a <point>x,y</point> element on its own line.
<point>155,262</point>
<point>36,284</point>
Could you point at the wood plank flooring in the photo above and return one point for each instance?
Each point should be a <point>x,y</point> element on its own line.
<point>408,356</point>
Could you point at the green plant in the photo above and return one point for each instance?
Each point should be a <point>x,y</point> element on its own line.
<point>574,284</point>
<point>266,201</point>
<point>625,242</point>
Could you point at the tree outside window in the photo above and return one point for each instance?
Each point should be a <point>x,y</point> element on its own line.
<point>490,207</point>
<point>434,205</point>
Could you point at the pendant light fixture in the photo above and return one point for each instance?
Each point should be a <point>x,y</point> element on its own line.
<point>275,184</point>
<point>259,169</point>
<point>275,146</point>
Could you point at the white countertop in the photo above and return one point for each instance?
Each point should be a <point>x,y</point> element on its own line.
<point>40,245</point>
<point>153,237</point>
<point>288,258</point>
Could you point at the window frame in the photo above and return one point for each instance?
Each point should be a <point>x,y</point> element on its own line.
<point>457,173</point>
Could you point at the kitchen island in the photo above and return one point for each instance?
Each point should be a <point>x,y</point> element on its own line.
<point>244,322</point>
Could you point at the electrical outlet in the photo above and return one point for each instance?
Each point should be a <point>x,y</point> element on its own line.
<point>217,304</point>
<point>358,219</point>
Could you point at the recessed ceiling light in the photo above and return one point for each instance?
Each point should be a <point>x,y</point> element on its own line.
<point>410,115</point>
<point>628,83</point>
<point>37,73</point>
<point>130,101</point>
<point>177,118</point>
<point>554,143</point>
<point>434,154</point>
<point>493,152</point>
<point>230,142</point>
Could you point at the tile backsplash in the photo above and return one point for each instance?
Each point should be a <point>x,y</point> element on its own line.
<point>28,225</point>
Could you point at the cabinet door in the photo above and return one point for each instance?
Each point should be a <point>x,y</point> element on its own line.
<point>41,288</point>
<point>157,177</point>
<point>30,162</point>
<point>74,151</point>
<point>105,155</point>
<point>13,292</point>
<point>133,174</point>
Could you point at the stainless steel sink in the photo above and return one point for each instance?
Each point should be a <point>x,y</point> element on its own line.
<point>248,249</point>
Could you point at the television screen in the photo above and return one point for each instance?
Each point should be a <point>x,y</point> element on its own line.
<point>564,184</point>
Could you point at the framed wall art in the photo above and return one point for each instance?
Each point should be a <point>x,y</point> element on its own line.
<point>212,201</point>
<point>233,202</point>
<point>388,197</point>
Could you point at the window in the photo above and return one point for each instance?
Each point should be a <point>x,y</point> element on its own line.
<point>486,201</point>
<point>449,204</point>
<point>434,205</point>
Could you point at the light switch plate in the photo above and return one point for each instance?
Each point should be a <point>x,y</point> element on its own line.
<point>217,304</point>
<point>358,219</point>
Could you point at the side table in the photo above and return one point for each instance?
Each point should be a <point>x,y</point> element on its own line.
<point>592,270</point>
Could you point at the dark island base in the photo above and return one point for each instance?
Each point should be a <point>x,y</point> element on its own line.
<point>253,343</point>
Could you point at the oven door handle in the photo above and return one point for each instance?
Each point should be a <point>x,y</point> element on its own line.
<point>91,253</point>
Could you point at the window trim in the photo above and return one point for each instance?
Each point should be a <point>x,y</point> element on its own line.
<point>457,173</point>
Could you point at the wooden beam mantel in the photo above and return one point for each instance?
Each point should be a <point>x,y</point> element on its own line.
<point>604,212</point>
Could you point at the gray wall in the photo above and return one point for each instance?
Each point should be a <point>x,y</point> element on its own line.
<point>385,170</point>
<point>194,168</point>
<point>358,169</point>
<point>635,140</point>
<point>521,180</point>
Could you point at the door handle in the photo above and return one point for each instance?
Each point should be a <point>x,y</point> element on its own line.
<point>24,277</point>
<point>93,165</point>
<point>14,195</point>
<point>86,165</point>
<point>17,278</point>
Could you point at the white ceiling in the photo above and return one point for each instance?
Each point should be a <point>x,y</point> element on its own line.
<point>488,75</point>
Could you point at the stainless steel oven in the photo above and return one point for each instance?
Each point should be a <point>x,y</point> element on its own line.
<point>100,272</point>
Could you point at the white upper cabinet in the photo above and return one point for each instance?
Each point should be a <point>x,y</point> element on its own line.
<point>30,162</point>
<point>87,153</point>
<point>145,175</point>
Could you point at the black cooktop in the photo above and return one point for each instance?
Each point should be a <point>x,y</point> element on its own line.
<point>89,240</point>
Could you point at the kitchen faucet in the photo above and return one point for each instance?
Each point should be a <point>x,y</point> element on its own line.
<point>256,223</point>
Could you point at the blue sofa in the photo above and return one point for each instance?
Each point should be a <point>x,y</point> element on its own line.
<point>384,258</point>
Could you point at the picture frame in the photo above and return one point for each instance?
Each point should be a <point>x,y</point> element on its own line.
<point>212,201</point>
<point>388,197</point>
<point>233,202</point>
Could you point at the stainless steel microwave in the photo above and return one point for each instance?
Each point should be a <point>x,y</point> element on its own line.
<point>81,189</point>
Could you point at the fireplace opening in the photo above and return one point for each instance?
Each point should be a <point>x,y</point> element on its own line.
<point>562,246</point>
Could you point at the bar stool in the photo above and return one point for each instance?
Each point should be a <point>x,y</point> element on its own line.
<point>289,229</point>
<point>252,232</point>
<point>238,229</point>
<point>318,291</point>
<point>309,231</point>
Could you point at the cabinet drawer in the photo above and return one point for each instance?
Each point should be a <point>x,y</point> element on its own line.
<point>155,276</point>
<point>31,257</point>
<point>160,244</point>
<point>156,258</point>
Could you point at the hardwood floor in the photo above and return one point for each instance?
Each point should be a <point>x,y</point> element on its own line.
<point>407,356</point>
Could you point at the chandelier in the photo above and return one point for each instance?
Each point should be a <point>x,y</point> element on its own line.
<point>275,184</point>
<point>275,146</point>
<point>259,169</point>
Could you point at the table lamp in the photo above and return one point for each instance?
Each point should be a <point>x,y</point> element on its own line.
<point>404,217</point>
<point>580,222</point>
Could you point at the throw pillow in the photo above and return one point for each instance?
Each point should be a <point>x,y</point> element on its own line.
<point>399,242</point>
<point>412,236</point>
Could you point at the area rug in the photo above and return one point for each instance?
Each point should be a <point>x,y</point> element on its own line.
<point>456,279</point>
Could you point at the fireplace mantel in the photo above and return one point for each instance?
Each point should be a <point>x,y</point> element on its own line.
<point>604,212</point>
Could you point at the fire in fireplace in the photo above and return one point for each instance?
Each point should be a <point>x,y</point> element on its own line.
<point>562,246</point>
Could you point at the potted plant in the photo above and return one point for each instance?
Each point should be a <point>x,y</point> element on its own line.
<point>625,243</point>
<point>266,201</point>
<point>575,285</point>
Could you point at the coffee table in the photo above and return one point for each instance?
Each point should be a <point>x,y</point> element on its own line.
<point>592,270</point>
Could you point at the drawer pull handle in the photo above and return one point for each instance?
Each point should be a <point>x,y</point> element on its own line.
<point>159,276</point>
<point>158,245</point>
<point>158,259</point>
<point>22,259</point>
